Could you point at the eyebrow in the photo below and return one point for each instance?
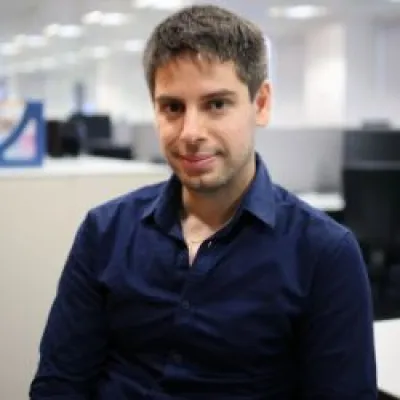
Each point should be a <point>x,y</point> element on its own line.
<point>208,96</point>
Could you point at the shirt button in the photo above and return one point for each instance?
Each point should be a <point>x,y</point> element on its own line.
<point>210,243</point>
<point>177,358</point>
<point>185,305</point>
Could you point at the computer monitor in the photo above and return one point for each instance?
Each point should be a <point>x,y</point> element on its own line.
<point>371,146</point>
<point>98,127</point>
<point>372,196</point>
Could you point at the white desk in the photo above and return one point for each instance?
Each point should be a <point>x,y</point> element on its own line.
<point>387,345</point>
<point>328,202</point>
<point>83,166</point>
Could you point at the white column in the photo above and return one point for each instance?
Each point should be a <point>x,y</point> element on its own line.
<point>389,82</point>
<point>363,52</point>
<point>288,68</point>
<point>325,76</point>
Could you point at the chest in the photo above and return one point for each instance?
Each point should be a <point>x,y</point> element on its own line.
<point>237,299</point>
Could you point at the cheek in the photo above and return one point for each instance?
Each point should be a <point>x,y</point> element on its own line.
<point>167,133</point>
<point>237,133</point>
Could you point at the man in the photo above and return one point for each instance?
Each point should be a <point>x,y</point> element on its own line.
<point>217,284</point>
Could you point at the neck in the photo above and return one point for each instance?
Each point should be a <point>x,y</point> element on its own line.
<point>213,209</point>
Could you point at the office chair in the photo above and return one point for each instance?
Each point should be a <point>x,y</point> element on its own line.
<point>372,212</point>
<point>54,143</point>
<point>371,145</point>
<point>98,135</point>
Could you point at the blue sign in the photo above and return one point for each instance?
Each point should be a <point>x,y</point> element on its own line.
<point>22,135</point>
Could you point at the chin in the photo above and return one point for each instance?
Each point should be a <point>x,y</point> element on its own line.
<point>202,184</point>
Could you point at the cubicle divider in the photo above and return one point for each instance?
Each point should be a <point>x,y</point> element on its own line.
<point>40,212</point>
<point>300,159</point>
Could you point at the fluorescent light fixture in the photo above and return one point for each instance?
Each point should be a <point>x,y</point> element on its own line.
<point>93,17</point>
<point>159,4</point>
<point>114,19</point>
<point>105,19</point>
<point>134,46</point>
<point>52,30</point>
<point>33,41</point>
<point>305,11</point>
<point>63,31</point>
<point>9,49</point>
<point>70,31</point>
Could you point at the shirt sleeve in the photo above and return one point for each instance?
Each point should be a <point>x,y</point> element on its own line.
<point>74,341</point>
<point>337,356</point>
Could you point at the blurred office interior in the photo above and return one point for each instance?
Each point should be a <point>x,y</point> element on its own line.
<point>334,137</point>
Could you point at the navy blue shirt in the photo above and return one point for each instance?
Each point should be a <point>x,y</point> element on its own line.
<point>275,306</point>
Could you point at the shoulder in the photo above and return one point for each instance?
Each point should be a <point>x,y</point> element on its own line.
<point>319,238</point>
<point>294,212</point>
<point>328,260</point>
<point>125,209</point>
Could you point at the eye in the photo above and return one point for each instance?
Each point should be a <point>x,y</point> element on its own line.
<point>173,107</point>
<point>217,104</point>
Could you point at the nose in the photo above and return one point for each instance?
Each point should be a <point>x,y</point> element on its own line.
<point>193,126</point>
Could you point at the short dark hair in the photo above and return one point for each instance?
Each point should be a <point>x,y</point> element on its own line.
<point>214,32</point>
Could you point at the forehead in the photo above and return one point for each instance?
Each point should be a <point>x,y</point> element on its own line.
<point>193,75</point>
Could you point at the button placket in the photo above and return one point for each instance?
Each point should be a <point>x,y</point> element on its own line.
<point>186,304</point>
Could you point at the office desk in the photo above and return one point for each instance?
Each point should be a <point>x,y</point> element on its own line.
<point>328,202</point>
<point>387,345</point>
<point>40,211</point>
<point>81,167</point>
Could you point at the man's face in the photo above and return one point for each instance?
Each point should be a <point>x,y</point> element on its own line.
<point>206,121</point>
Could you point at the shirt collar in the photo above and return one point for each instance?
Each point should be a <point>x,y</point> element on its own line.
<point>258,200</point>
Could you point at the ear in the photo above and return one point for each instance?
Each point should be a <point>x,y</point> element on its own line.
<point>262,104</point>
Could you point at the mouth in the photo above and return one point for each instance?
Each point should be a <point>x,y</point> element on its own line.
<point>197,157</point>
<point>197,162</point>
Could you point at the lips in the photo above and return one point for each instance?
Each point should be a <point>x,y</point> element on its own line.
<point>197,158</point>
<point>197,163</point>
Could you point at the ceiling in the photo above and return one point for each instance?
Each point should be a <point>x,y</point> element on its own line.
<point>19,15</point>
<point>68,35</point>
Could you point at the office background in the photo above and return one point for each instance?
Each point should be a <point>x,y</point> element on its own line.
<point>334,66</point>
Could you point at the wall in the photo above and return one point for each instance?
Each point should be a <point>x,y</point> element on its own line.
<point>329,75</point>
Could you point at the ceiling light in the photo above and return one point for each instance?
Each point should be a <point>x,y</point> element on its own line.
<point>8,49</point>
<point>52,30</point>
<point>63,31</point>
<point>33,41</point>
<point>105,19</point>
<point>70,31</point>
<point>93,17</point>
<point>114,19</point>
<point>159,4</point>
<point>298,12</point>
